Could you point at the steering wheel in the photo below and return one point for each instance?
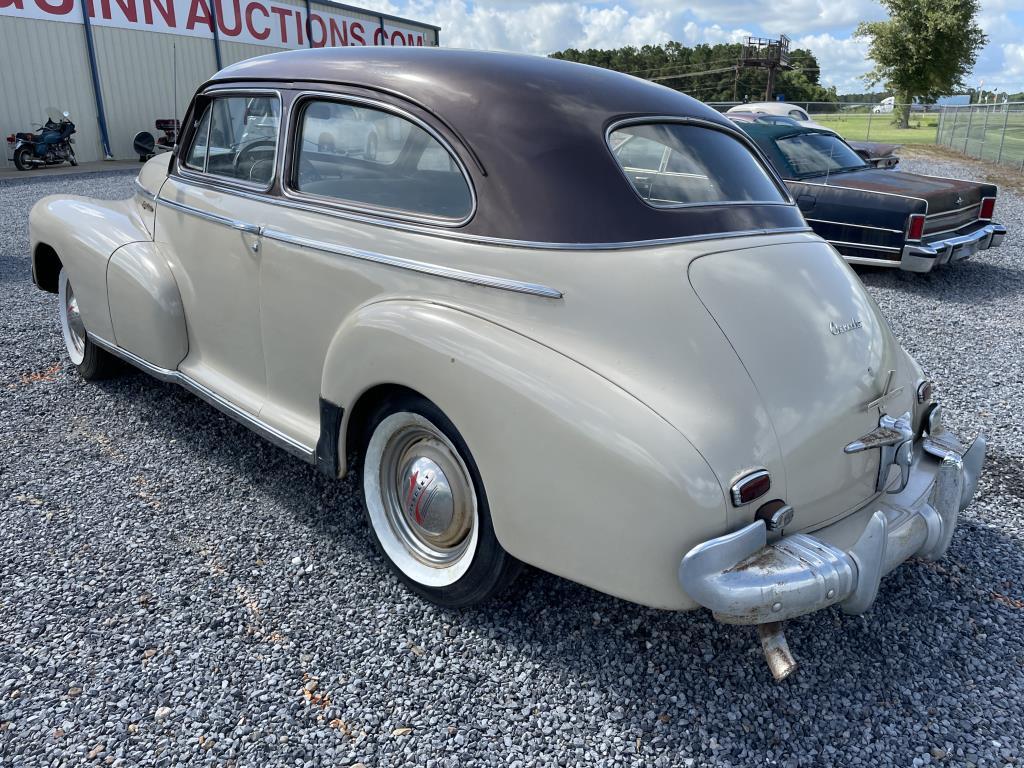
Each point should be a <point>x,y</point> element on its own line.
<point>252,154</point>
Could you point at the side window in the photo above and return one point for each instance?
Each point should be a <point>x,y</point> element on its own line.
<point>640,153</point>
<point>242,139</point>
<point>797,114</point>
<point>372,158</point>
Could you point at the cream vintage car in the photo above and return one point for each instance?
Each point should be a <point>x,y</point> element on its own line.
<point>661,384</point>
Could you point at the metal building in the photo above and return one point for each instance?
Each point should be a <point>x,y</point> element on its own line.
<point>119,65</point>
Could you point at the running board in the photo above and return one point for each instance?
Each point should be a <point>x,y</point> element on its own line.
<point>264,430</point>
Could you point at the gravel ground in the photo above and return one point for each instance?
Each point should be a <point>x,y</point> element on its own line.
<point>175,591</point>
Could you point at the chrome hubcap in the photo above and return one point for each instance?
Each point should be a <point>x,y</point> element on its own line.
<point>421,499</point>
<point>75,325</point>
<point>71,321</point>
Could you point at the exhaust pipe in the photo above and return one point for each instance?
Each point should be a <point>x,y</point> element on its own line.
<point>776,650</point>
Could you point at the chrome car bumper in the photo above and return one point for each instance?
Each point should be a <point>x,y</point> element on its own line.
<point>922,257</point>
<point>744,579</point>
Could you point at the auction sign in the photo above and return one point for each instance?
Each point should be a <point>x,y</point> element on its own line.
<point>262,22</point>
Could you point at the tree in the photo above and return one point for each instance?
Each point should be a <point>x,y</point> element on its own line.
<point>708,72</point>
<point>925,49</point>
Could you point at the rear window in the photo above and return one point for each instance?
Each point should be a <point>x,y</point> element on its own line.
<point>814,154</point>
<point>674,164</point>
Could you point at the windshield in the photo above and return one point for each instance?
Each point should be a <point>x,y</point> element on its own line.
<point>815,154</point>
<point>674,164</point>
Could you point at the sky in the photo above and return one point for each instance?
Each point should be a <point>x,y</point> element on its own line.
<point>824,26</point>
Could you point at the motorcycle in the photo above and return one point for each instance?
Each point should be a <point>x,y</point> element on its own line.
<point>51,145</point>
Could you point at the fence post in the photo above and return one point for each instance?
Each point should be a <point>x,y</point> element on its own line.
<point>1002,136</point>
<point>970,119</point>
<point>984,135</point>
<point>867,137</point>
<point>952,132</point>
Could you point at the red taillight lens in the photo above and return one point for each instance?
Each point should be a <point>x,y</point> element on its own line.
<point>11,139</point>
<point>915,226</point>
<point>750,487</point>
<point>988,208</point>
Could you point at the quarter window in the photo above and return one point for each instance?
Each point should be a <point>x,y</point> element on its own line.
<point>375,159</point>
<point>236,138</point>
<point>673,164</point>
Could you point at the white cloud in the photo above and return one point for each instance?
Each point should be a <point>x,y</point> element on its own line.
<point>824,26</point>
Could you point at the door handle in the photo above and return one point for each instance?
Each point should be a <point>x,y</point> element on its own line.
<point>249,229</point>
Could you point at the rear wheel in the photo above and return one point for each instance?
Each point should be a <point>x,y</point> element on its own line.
<point>91,361</point>
<point>22,157</point>
<point>427,509</point>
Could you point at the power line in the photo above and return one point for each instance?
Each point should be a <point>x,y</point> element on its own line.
<point>678,66</point>
<point>693,74</point>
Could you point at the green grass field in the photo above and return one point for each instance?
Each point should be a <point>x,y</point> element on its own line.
<point>869,127</point>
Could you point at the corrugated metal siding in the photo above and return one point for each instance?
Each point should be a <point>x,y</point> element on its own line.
<point>45,64</point>
<point>136,70</point>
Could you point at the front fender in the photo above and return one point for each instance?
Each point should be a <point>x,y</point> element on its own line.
<point>84,233</point>
<point>583,480</point>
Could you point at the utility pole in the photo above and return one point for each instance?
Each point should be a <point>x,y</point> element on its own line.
<point>735,81</point>
<point>766,53</point>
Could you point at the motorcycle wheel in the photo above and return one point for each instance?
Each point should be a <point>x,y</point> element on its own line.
<point>21,158</point>
<point>71,158</point>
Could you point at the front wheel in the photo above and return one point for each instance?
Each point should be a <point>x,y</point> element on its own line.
<point>22,158</point>
<point>91,361</point>
<point>427,509</point>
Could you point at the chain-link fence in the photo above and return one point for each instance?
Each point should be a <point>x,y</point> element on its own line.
<point>987,131</point>
<point>861,122</point>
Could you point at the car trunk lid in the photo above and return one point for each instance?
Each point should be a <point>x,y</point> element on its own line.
<point>952,203</point>
<point>816,357</point>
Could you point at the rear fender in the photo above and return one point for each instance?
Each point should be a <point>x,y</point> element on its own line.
<point>582,479</point>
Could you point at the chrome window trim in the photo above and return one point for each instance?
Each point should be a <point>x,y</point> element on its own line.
<point>226,221</point>
<point>223,405</point>
<point>866,191</point>
<point>192,174</point>
<point>437,270</point>
<point>735,133</point>
<point>496,241</point>
<point>859,226</point>
<point>887,248</point>
<point>292,139</point>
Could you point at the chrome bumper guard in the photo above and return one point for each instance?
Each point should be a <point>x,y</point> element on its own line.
<point>922,257</point>
<point>743,579</point>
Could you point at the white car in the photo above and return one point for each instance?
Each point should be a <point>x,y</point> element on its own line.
<point>780,108</point>
<point>598,339</point>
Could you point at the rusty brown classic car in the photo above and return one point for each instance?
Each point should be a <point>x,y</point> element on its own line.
<point>875,216</point>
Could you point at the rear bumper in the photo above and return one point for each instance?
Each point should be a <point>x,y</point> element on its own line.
<point>743,579</point>
<point>922,257</point>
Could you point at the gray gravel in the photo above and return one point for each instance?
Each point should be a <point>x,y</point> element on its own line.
<point>174,591</point>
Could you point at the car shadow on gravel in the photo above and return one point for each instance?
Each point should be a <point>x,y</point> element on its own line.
<point>583,628</point>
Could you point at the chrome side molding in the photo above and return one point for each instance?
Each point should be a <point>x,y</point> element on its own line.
<point>226,221</point>
<point>223,405</point>
<point>475,278</point>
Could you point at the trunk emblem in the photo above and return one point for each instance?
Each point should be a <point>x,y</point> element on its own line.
<point>959,200</point>
<point>838,328</point>
<point>888,393</point>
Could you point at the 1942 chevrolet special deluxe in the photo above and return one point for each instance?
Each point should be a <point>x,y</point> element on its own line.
<point>665,387</point>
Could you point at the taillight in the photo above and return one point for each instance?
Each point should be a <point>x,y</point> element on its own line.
<point>915,226</point>
<point>988,208</point>
<point>924,392</point>
<point>751,486</point>
<point>11,139</point>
